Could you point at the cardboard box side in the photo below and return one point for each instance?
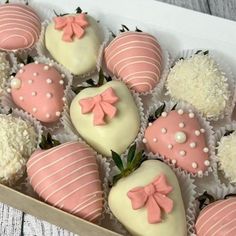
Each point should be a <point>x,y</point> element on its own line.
<point>51,214</point>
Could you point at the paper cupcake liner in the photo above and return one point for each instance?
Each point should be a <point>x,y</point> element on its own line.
<point>220,174</point>
<point>42,51</point>
<point>218,192</point>
<point>203,122</point>
<point>7,100</point>
<point>69,127</point>
<point>37,127</point>
<point>225,68</point>
<point>188,190</point>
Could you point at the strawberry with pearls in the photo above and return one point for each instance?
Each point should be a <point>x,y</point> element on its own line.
<point>179,137</point>
<point>38,88</point>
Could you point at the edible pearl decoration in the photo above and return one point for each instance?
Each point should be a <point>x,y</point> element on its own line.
<point>202,131</point>
<point>36,62</point>
<point>164,130</point>
<point>180,112</point>
<point>21,98</point>
<point>61,82</point>
<point>22,65</point>
<point>46,67</point>
<point>191,115</point>
<point>181,125</point>
<point>49,95</point>
<point>48,115</point>
<point>34,93</point>
<point>49,81</point>
<point>150,124</point>
<point>197,132</point>
<point>21,71</point>
<point>200,173</point>
<point>206,150</point>
<point>164,114</point>
<point>206,163</point>
<point>63,99</point>
<point>170,146</point>
<point>174,161</point>
<point>63,76</point>
<point>180,137</point>
<point>144,140</point>
<point>193,145</point>
<point>35,74</point>
<point>8,90</point>
<point>34,109</point>
<point>58,113</point>
<point>182,153</point>
<point>154,140</point>
<point>194,165</point>
<point>30,81</point>
<point>16,83</point>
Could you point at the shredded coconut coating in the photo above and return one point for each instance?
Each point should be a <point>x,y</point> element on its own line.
<point>17,142</point>
<point>4,70</point>
<point>199,81</point>
<point>227,156</point>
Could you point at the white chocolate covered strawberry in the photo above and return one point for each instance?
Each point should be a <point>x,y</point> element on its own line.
<point>39,89</point>
<point>179,136</point>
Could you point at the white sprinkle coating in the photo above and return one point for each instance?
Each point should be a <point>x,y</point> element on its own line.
<point>18,141</point>
<point>4,70</point>
<point>226,153</point>
<point>199,81</point>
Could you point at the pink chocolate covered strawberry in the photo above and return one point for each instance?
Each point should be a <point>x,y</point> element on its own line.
<point>136,58</point>
<point>67,177</point>
<point>39,89</point>
<point>178,136</point>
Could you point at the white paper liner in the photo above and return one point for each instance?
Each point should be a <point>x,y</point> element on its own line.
<point>32,121</point>
<point>225,68</point>
<point>188,190</point>
<point>7,100</point>
<point>202,121</point>
<point>69,127</point>
<point>218,192</point>
<point>219,173</point>
<point>42,51</point>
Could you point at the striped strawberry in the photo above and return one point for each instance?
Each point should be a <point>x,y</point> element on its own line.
<point>67,177</point>
<point>136,58</point>
<point>217,219</point>
<point>39,89</point>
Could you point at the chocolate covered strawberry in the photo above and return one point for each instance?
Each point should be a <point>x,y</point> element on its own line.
<point>38,88</point>
<point>136,58</point>
<point>67,177</point>
<point>179,136</point>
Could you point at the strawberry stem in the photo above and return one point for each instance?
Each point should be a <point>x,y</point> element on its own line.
<point>48,142</point>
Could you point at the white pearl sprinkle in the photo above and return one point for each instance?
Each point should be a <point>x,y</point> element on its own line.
<point>22,65</point>
<point>164,114</point>
<point>50,64</point>
<point>34,109</point>
<point>191,115</point>
<point>154,140</point>
<point>21,98</point>
<point>205,149</point>
<point>61,82</point>
<point>164,130</point>
<point>36,62</point>
<point>21,71</point>
<point>30,81</point>
<point>46,67</point>
<point>200,173</point>
<point>9,90</point>
<point>194,165</point>
<point>48,115</point>
<point>63,99</point>
<point>182,153</point>
<point>144,140</point>
<point>35,74</point>
<point>193,145</point>
<point>170,146</point>
<point>149,124</point>
<point>12,77</point>
<point>49,95</point>
<point>206,163</point>
<point>197,132</point>
<point>34,93</point>
<point>181,125</point>
<point>49,81</point>
<point>202,131</point>
<point>63,76</point>
<point>180,137</point>
<point>173,161</point>
<point>180,112</point>
<point>15,83</point>
<point>58,113</point>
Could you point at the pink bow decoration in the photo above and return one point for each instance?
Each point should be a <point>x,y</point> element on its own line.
<point>72,25</point>
<point>100,105</point>
<point>153,197</point>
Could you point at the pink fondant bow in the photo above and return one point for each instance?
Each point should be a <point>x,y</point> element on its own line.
<point>71,25</point>
<point>153,197</point>
<point>100,105</point>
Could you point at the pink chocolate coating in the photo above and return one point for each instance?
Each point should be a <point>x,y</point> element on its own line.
<point>136,58</point>
<point>41,92</point>
<point>20,27</point>
<point>67,177</point>
<point>218,219</point>
<point>163,142</point>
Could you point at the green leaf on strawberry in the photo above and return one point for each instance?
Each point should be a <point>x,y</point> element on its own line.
<point>48,142</point>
